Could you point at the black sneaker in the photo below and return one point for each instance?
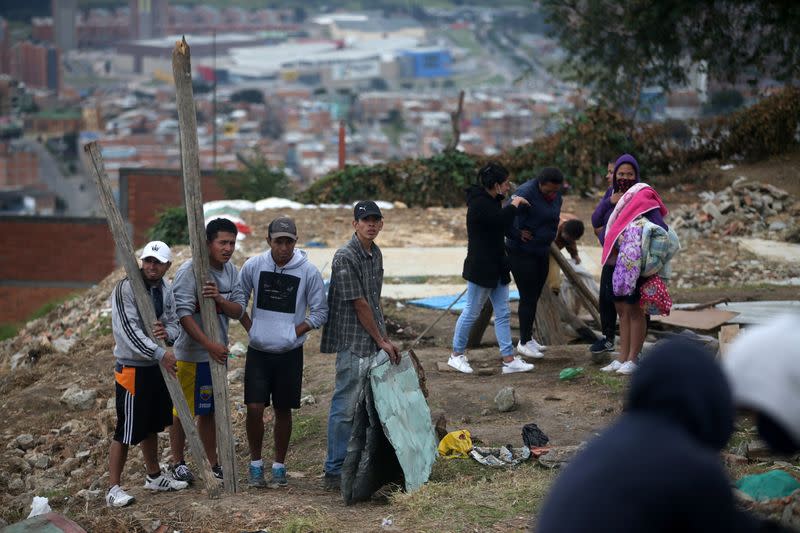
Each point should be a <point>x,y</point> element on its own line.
<point>602,346</point>
<point>217,470</point>
<point>181,472</point>
<point>333,482</point>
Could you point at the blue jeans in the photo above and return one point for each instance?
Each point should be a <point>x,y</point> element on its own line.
<point>351,376</point>
<point>476,297</point>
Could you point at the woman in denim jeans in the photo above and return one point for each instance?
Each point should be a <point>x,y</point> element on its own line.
<point>486,267</point>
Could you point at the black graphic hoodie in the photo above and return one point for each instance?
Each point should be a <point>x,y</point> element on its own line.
<point>281,296</point>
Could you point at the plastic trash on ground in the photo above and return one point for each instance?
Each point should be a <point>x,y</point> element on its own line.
<point>39,505</point>
<point>769,485</point>
<point>455,445</point>
<point>570,373</point>
<point>500,457</point>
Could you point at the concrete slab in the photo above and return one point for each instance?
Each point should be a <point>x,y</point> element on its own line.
<point>433,262</point>
<point>755,312</point>
<point>774,250</point>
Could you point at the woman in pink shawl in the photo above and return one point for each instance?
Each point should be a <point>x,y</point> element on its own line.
<point>622,248</point>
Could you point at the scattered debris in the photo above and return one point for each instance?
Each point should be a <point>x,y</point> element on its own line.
<point>533,437</point>
<point>500,457</point>
<point>558,456</point>
<point>307,400</point>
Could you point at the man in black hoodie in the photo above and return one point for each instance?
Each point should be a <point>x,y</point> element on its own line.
<point>658,467</point>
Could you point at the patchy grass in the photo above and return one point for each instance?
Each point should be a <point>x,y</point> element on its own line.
<point>611,382</point>
<point>463,495</point>
<point>8,331</point>
<point>306,427</point>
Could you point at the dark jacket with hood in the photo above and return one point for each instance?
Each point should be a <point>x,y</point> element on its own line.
<point>604,209</point>
<point>658,467</point>
<point>487,221</point>
<point>540,218</point>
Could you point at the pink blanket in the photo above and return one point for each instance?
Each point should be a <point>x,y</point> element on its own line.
<point>639,199</point>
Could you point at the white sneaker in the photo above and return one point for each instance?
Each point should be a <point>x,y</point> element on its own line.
<point>460,363</point>
<point>539,347</point>
<point>164,483</point>
<point>517,365</point>
<point>613,367</point>
<point>628,367</point>
<point>529,349</point>
<point>116,497</point>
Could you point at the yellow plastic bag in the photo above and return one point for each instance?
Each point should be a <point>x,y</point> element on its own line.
<point>455,445</point>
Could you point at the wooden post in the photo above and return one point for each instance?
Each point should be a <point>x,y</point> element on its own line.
<point>342,145</point>
<point>455,123</point>
<point>480,325</point>
<point>588,298</point>
<point>145,306</point>
<point>190,164</point>
<point>548,320</point>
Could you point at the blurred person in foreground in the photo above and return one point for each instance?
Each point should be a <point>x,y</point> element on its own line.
<point>763,366</point>
<point>657,468</point>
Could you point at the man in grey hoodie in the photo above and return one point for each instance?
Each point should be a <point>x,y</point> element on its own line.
<point>285,284</point>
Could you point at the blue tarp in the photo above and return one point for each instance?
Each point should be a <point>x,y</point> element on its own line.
<point>443,302</point>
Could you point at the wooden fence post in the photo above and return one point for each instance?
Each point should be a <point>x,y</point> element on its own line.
<point>145,306</point>
<point>190,165</point>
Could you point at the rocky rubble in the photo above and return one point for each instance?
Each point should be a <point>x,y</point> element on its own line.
<point>746,208</point>
<point>709,229</point>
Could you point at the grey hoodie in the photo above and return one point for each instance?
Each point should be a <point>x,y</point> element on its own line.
<point>133,346</point>
<point>281,297</point>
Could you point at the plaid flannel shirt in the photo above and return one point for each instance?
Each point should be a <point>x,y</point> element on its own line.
<point>354,274</point>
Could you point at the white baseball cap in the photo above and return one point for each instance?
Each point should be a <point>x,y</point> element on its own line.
<point>158,250</point>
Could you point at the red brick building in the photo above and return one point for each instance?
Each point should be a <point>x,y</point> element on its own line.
<point>19,167</point>
<point>44,258</point>
<point>37,65</point>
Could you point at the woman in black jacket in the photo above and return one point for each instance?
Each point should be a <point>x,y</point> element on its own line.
<point>486,267</point>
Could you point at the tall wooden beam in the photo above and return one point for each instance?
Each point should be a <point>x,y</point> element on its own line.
<point>190,164</point>
<point>145,306</point>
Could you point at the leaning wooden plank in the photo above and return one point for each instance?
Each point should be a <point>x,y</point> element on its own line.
<point>588,298</point>
<point>726,336</point>
<point>190,164</point>
<point>126,252</point>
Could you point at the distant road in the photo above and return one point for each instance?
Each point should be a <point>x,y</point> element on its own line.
<point>80,203</point>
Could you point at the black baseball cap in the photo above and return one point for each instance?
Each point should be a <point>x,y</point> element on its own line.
<point>282,227</point>
<point>365,209</point>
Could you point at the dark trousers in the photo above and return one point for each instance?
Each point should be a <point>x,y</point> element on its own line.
<point>530,273</point>
<point>608,313</point>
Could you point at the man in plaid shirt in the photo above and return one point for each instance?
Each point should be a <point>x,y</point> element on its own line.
<point>355,330</point>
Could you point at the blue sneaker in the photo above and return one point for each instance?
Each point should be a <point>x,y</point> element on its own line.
<point>602,346</point>
<point>256,478</point>
<point>278,477</point>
